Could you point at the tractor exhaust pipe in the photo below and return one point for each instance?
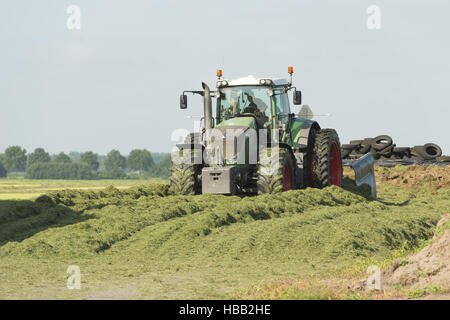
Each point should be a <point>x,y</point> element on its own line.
<point>207,105</point>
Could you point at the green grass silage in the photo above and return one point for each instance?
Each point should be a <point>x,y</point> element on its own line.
<point>27,189</point>
<point>203,246</point>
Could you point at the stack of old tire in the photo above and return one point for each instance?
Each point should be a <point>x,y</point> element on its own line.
<point>383,148</point>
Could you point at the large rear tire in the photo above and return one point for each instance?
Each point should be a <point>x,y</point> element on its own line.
<point>327,159</point>
<point>308,160</point>
<point>275,170</point>
<point>185,172</point>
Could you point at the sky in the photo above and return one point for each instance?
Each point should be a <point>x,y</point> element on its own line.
<point>115,82</point>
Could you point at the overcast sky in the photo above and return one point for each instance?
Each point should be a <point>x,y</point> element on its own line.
<point>115,83</point>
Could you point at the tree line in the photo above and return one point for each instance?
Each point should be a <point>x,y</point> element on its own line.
<point>88,165</point>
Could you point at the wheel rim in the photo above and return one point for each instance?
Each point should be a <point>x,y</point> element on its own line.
<point>287,178</point>
<point>335,165</point>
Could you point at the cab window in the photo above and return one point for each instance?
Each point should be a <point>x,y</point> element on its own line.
<point>282,103</point>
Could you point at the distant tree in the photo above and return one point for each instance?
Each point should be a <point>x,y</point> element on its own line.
<point>114,161</point>
<point>159,156</point>
<point>62,157</point>
<point>161,169</point>
<point>75,156</point>
<point>91,159</point>
<point>59,170</point>
<point>15,158</point>
<point>140,160</point>
<point>39,155</point>
<point>101,160</point>
<point>2,171</point>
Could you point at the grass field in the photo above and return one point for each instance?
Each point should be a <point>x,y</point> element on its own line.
<point>139,242</point>
<point>23,189</point>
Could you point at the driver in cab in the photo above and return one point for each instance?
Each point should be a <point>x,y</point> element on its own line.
<point>253,108</point>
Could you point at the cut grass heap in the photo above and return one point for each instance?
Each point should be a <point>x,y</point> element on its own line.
<point>146,244</point>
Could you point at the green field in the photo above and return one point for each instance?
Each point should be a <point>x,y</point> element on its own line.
<point>23,189</point>
<point>139,242</point>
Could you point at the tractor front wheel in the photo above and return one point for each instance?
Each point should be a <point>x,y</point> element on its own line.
<point>275,170</point>
<point>185,172</point>
<point>327,166</point>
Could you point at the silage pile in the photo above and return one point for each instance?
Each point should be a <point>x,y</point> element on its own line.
<point>310,227</point>
<point>20,219</point>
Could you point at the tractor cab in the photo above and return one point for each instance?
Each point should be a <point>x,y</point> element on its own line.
<point>263,99</point>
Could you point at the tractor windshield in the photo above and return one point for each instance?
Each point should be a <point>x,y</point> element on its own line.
<point>234,101</point>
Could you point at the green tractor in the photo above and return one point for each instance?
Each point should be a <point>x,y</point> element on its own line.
<point>254,144</point>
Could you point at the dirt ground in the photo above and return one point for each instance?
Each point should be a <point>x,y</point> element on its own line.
<point>424,275</point>
<point>429,267</point>
<point>411,177</point>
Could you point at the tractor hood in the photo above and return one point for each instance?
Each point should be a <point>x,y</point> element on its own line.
<point>239,122</point>
<point>244,143</point>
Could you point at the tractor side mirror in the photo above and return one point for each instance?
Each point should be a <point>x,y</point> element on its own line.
<point>297,97</point>
<point>183,101</point>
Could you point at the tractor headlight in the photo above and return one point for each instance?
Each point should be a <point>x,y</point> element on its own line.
<point>265,81</point>
<point>222,83</point>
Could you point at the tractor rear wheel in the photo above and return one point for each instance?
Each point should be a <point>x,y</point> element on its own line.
<point>275,170</point>
<point>327,159</point>
<point>185,171</point>
<point>308,161</point>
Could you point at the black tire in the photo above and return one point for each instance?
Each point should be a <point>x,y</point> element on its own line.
<point>374,153</point>
<point>432,151</point>
<point>418,152</point>
<point>345,153</point>
<point>402,149</point>
<point>356,142</point>
<point>365,145</point>
<point>443,159</point>
<point>387,151</point>
<point>346,149</point>
<point>275,170</point>
<point>308,160</point>
<point>327,159</point>
<point>349,146</point>
<point>401,152</point>
<point>185,172</point>
<point>381,142</point>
